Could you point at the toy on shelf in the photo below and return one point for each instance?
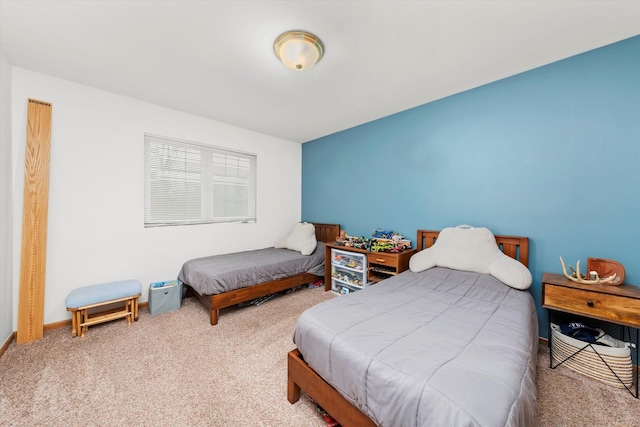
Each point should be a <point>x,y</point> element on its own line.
<point>379,233</point>
<point>388,241</point>
<point>381,245</point>
<point>353,241</point>
<point>381,241</point>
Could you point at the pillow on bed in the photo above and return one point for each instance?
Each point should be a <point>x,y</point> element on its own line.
<point>301,239</point>
<point>472,249</point>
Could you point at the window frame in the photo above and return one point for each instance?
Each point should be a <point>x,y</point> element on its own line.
<point>234,186</point>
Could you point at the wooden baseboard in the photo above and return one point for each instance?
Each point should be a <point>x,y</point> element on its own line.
<point>48,327</point>
<point>56,325</point>
<point>7,344</point>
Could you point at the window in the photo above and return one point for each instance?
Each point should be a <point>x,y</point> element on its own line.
<point>189,183</point>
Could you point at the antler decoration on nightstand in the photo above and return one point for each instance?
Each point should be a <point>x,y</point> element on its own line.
<point>577,276</point>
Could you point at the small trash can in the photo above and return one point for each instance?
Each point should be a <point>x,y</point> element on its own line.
<point>165,296</point>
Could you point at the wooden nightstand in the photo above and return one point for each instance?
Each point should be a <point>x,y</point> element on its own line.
<point>619,305</point>
<point>386,264</point>
<point>380,265</point>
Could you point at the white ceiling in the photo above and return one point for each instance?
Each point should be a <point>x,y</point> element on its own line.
<point>215,58</point>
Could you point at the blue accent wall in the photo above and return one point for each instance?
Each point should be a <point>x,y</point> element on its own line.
<point>552,153</point>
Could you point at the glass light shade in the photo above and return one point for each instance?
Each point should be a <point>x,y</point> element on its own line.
<point>298,50</point>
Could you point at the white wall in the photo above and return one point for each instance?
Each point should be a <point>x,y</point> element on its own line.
<point>6,263</point>
<point>96,207</point>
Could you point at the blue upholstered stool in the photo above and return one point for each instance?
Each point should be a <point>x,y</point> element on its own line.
<point>80,300</point>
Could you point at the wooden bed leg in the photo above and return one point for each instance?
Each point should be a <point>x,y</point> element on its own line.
<point>293,391</point>
<point>301,376</point>
<point>214,317</point>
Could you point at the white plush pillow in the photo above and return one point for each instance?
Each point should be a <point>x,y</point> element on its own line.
<point>472,249</point>
<point>301,239</point>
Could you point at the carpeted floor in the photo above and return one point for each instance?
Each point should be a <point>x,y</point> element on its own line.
<point>173,369</point>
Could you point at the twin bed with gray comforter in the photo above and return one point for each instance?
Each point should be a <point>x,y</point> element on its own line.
<point>439,347</point>
<point>225,280</point>
<point>223,273</point>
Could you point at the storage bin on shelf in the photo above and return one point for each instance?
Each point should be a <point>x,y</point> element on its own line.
<point>348,271</point>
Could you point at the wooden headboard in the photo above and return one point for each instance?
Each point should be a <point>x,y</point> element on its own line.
<point>513,246</point>
<point>327,233</point>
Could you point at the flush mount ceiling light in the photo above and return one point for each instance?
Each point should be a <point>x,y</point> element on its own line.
<point>298,50</point>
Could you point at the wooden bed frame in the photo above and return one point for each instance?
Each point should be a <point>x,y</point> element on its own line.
<point>301,377</point>
<point>324,233</point>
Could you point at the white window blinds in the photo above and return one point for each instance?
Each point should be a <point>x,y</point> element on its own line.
<point>189,183</point>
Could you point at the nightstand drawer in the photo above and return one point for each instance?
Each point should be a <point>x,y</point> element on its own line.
<point>613,308</point>
<point>389,259</point>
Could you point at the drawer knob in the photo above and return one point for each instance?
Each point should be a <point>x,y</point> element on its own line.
<point>380,260</point>
<point>590,303</point>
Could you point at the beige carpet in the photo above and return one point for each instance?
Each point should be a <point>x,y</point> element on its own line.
<point>173,369</point>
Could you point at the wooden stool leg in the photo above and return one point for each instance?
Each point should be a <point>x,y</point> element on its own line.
<point>74,324</point>
<point>83,317</point>
<point>135,309</point>
<point>78,321</point>
<point>131,310</point>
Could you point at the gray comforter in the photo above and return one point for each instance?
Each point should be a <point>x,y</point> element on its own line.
<point>222,273</point>
<point>436,348</point>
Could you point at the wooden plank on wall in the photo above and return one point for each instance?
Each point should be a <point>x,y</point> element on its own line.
<point>34,222</point>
